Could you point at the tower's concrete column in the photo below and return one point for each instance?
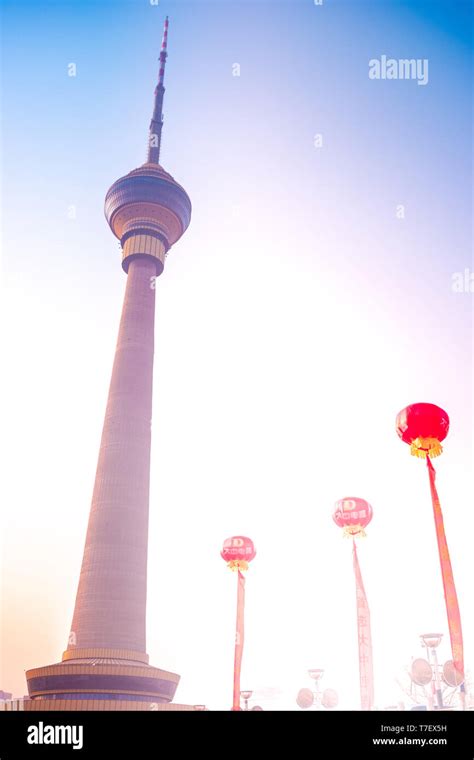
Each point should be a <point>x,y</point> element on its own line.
<point>110,609</point>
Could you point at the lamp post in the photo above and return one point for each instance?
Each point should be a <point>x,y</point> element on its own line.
<point>426,672</point>
<point>432,641</point>
<point>246,695</point>
<point>316,674</point>
<point>307,698</point>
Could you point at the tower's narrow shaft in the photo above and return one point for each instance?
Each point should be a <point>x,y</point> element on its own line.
<point>110,608</point>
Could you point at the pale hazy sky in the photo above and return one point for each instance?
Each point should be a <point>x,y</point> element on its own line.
<point>295,318</point>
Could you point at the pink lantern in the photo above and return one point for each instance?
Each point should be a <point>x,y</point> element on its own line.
<point>238,551</point>
<point>353,515</point>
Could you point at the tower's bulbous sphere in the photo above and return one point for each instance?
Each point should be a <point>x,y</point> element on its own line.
<point>148,211</point>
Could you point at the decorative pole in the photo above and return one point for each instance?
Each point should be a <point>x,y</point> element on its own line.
<point>238,551</point>
<point>423,427</point>
<point>354,515</point>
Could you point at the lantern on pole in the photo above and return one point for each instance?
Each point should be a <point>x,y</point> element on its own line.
<point>238,551</point>
<point>353,515</point>
<point>423,427</point>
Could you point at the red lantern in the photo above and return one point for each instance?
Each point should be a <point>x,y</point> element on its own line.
<point>238,551</point>
<point>353,515</point>
<point>423,427</point>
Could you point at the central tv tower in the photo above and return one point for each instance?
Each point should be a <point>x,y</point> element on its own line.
<point>105,665</point>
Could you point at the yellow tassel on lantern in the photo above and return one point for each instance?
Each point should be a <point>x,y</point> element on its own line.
<point>423,447</point>
<point>354,530</point>
<point>238,564</point>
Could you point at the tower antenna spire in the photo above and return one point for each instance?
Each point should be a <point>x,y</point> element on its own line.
<point>156,124</point>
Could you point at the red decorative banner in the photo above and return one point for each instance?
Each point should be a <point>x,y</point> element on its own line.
<point>451,598</point>
<point>366,672</point>
<point>239,638</point>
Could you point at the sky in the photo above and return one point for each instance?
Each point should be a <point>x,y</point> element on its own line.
<point>309,301</point>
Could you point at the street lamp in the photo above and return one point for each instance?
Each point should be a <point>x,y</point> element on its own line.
<point>308,698</point>
<point>245,695</point>
<point>431,641</point>
<point>316,674</point>
<point>425,672</point>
